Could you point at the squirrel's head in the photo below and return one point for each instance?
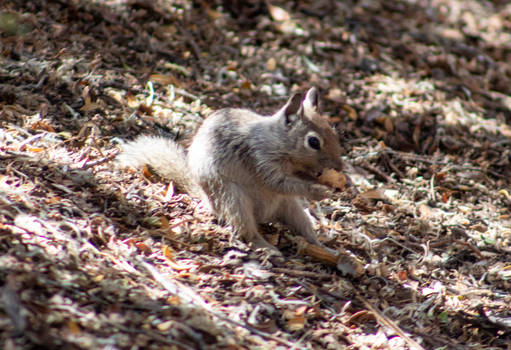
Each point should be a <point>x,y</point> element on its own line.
<point>315,144</point>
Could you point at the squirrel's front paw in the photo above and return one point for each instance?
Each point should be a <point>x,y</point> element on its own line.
<point>318,192</point>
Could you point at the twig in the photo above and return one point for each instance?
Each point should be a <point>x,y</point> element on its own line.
<point>398,244</point>
<point>191,42</point>
<point>300,273</point>
<point>80,134</point>
<point>471,247</point>
<point>387,322</point>
<point>443,242</point>
<point>30,140</point>
<point>440,242</point>
<point>432,196</point>
<point>178,68</point>
<point>343,261</point>
<point>422,159</point>
<point>418,158</point>
<point>393,166</point>
<point>188,295</point>
<point>99,161</point>
<point>71,111</point>
<point>376,171</point>
<point>152,334</point>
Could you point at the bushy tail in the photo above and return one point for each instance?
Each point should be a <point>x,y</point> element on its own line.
<point>163,156</point>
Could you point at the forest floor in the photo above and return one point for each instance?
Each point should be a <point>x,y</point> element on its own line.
<point>96,257</point>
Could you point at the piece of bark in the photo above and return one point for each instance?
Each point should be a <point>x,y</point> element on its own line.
<point>344,261</point>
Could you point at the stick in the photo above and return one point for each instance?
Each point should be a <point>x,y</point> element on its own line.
<point>188,295</point>
<point>384,320</point>
<point>342,260</point>
<point>300,273</point>
<point>99,161</point>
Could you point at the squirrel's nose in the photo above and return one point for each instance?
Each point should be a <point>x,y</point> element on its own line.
<point>338,165</point>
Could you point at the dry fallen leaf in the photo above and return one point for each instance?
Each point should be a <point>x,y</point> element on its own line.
<point>165,79</point>
<point>301,310</point>
<point>174,300</point>
<point>335,94</point>
<point>296,323</point>
<point>42,125</point>
<point>377,194</point>
<point>145,109</point>
<point>246,84</point>
<point>361,317</point>
<point>131,99</point>
<point>505,193</point>
<point>144,248</point>
<point>147,173</point>
<point>73,327</point>
<point>278,13</point>
<point>352,114</point>
<point>98,278</point>
<point>271,64</point>
<point>90,106</point>
<point>402,275</point>
<point>164,223</point>
<point>165,326</point>
<point>213,14</point>
<point>167,252</point>
<point>34,149</point>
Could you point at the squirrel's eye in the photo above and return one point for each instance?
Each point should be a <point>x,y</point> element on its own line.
<point>314,142</point>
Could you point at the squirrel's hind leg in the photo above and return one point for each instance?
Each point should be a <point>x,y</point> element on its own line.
<point>234,207</point>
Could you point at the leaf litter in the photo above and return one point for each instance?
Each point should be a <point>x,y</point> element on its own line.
<point>94,257</point>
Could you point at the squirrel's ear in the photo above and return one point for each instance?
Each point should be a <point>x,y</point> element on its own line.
<point>292,109</point>
<point>311,100</point>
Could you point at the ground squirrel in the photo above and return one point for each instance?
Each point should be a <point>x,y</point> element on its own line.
<point>249,168</point>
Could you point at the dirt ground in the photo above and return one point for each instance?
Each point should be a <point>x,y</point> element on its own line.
<point>97,257</point>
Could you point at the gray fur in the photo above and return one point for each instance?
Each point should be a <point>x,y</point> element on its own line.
<point>162,155</point>
<point>250,168</point>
